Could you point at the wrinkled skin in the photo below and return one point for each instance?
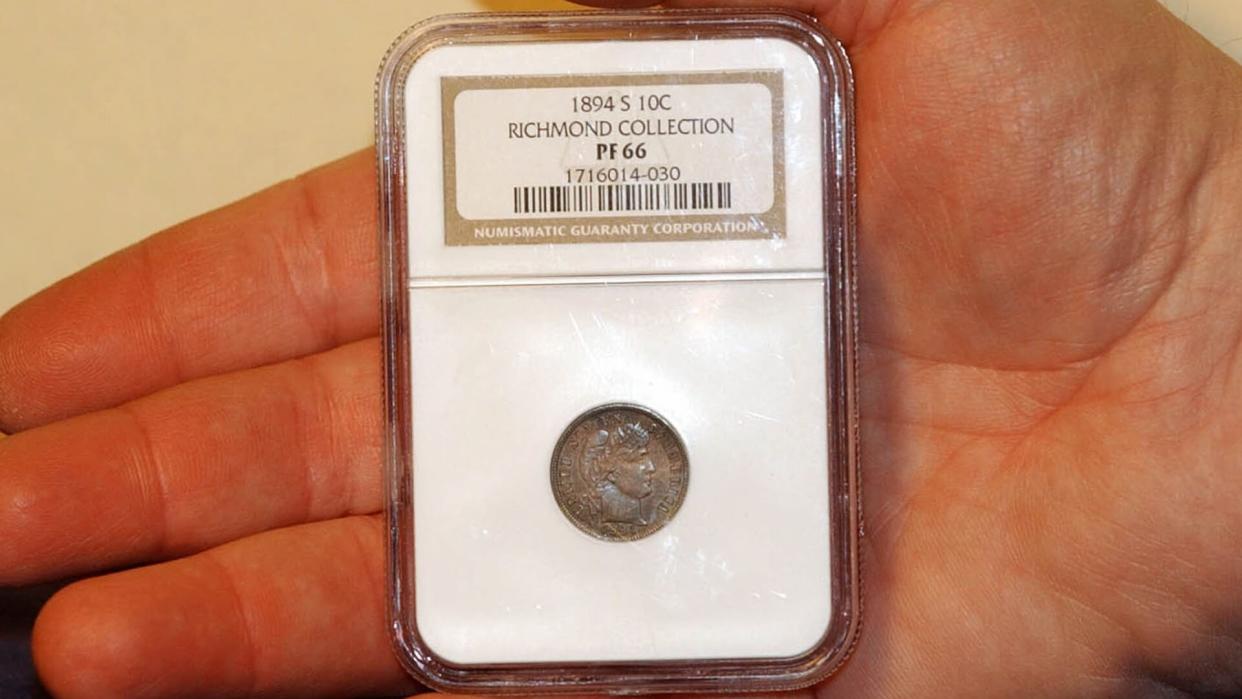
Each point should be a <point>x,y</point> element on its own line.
<point>1050,232</point>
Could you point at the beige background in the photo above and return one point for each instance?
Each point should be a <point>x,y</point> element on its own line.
<point>120,117</point>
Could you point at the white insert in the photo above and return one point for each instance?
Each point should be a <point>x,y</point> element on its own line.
<point>737,367</point>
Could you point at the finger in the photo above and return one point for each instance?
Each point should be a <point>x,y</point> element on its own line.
<point>618,4</point>
<point>851,21</point>
<point>292,612</point>
<point>287,272</point>
<point>798,694</point>
<point>193,466</point>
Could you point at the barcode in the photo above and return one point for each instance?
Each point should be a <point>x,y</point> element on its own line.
<point>578,198</point>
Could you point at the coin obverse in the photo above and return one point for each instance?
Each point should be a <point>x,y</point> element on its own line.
<point>619,472</point>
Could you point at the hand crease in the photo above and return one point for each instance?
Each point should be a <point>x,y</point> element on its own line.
<point>905,354</point>
<point>309,224</point>
<point>151,473</point>
<point>933,427</point>
<point>306,222</point>
<point>301,427</point>
<point>328,417</point>
<point>250,649</point>
<point>170,346</point>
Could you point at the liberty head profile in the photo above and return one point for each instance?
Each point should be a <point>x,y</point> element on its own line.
<point>616,464</point>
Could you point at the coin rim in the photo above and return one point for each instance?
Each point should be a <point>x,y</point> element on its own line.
<point>583,417</point>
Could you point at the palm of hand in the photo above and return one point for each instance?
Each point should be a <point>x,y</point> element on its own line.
<point>1049,404</point>
<point>1051,410</point>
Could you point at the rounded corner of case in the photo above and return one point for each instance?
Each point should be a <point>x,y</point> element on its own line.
<point>416,658</point>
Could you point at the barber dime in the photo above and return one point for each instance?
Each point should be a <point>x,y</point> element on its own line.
<point>619,472</point>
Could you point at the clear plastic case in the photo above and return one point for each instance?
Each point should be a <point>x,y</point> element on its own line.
<point>619,331</point>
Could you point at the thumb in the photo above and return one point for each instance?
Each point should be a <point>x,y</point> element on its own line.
<point>851,21</point>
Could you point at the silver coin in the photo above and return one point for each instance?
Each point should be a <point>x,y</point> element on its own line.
<point>619,472</point>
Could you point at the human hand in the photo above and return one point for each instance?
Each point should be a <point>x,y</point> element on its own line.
<point>1048,226</point>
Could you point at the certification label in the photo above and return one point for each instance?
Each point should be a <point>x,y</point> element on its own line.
<point>613,158</point>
